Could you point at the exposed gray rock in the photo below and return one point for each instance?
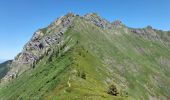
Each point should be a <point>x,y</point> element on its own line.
<point>95,19</point>
<point>117,24</point>
<point>146,33</point>
<point>26,57</point>
<point>38,46</point>
<point>43,39</point>
<point>9,77</point>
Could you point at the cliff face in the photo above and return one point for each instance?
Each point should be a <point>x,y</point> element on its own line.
<point>39,45</point>
<point>87,57</point>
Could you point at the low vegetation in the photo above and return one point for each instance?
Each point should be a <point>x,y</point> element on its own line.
<point>88,64</point>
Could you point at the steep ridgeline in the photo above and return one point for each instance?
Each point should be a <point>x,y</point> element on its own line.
<point>39,45</point>
<point>153,35</point>
<point>88,58</point>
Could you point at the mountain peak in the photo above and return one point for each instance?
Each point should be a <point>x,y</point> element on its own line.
<point>98,21</point>
<point>117,24</point>
<point>70,14</point>
<point>40,44</point>
<point>91,15</point>
<point>85,57</point>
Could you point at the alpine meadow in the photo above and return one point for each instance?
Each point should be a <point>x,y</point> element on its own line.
<point>89,58</point>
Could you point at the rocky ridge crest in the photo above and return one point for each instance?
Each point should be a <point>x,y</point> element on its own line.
<point>38,46</point>
<point>43,39</point>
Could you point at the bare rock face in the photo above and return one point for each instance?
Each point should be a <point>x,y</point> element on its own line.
<point>35,42</point>
<point>153,35</point>
<point>147,33</point>
<point>95,19</point>
<point>43,39</point>
<point>117,24</point>
<point>38,46</point>
<point>102,23</point>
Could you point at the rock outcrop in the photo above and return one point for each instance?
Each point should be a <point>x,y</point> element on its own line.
<point>93,58</point>
<point>117,24</point>
<point>38,45</point>
<point>43,39</point>
<point>95,19</point>
<point>147,33</point>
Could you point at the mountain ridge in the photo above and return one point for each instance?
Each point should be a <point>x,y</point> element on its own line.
<point>2,60</point>
<point>124,58</point>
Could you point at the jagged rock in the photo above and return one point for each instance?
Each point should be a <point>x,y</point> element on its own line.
<point>84,53</point>
<point>39,45</point>
<point>37,35</point>
<point>35,41</point>
<point>117,24</point>
<point>26,57</point>
<point>8,77</point>
<point>34,50</point>
<point>146,33</point>
<point>95,19</point>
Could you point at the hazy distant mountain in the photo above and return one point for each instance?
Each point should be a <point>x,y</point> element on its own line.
<point>2,60</point>
<point>88,58</point>
<point>4,67</point>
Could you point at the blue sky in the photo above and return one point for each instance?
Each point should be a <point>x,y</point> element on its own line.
<point>19,19</point>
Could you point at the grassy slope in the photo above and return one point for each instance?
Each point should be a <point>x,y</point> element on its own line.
<point>138,68</point>
<point>134,63</point>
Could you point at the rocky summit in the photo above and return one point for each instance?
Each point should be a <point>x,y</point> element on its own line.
<point>89,58</point>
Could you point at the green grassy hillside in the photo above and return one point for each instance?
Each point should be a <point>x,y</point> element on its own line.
<point>93,62</point>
